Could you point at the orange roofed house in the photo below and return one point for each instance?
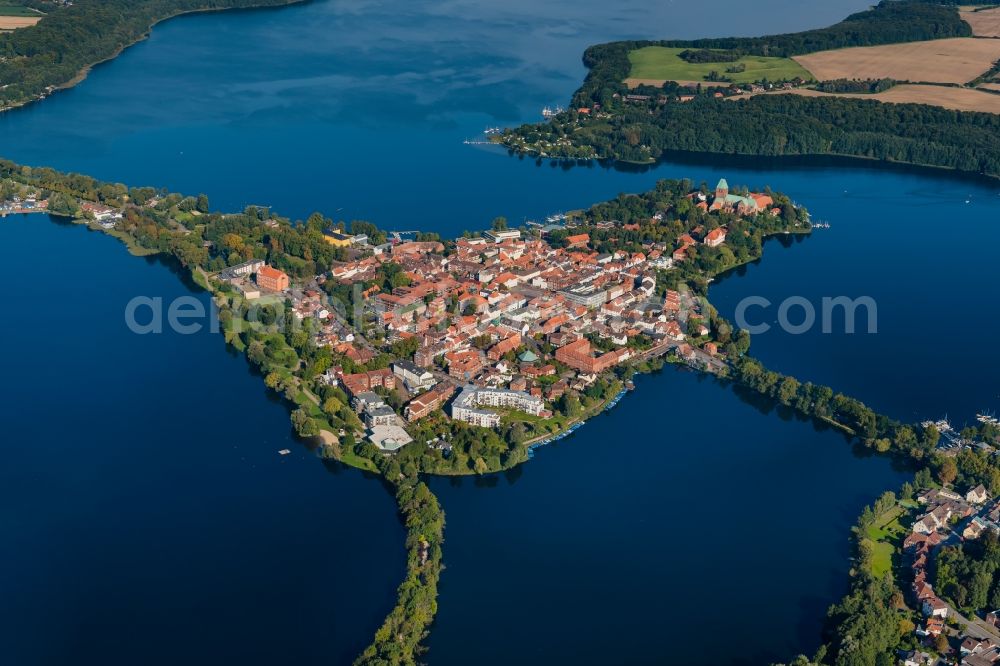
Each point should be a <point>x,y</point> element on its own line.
<point>578,355</point>
<point>427,402</point>
<point>272,279</point>
<point>716,237</point>
<point>506,345</point>
<point>464,364</point>
<point>366,381</point>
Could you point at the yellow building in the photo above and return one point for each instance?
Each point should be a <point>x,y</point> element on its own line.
<point>336,239</point>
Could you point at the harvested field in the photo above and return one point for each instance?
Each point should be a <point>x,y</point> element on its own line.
<point>15,22</point>
<point>985,23</point>
<point>957,60</point>
<point>960,99</point>
<point>990,86</point>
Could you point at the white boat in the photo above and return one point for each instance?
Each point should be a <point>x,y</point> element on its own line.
<point>284,452</point>
<point>987,418</point>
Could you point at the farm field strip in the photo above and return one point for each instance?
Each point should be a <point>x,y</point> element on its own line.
<point>955,60</point>
<point>15,22</point>
<point>959,99</point>
<point>985,23</point>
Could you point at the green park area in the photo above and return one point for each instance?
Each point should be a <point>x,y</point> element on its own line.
<point>660,63</point>
<point>886,535</point>
<point>7,9</point>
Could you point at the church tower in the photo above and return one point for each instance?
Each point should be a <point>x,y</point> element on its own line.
<point>722,190</point>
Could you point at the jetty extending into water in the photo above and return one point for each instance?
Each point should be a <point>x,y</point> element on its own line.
<point>952,440</point>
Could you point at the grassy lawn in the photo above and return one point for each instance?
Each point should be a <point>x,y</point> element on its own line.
<point>16,10</point>
<point>200,278</point>
<point>886,535</point>
<point>882,558</point>
<point>354,460</point>
<point>539,426</point>
<point>661,63</point>
<point>303,400</point>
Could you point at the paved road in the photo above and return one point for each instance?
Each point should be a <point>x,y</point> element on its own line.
<point>974,626</point>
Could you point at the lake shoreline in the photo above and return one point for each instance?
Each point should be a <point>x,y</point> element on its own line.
<point>84,72</point>
<point>645,359</point>
<point>328,438</point>
<point>768,162</point>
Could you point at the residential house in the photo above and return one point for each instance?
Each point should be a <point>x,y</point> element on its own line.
<point>425,403</point>
<point>934,607</point>
<point>977,495</point>
<point>715,237</point>
<point>465,364</point>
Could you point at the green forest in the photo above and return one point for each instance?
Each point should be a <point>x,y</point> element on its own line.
<point>776,125</point>
<point>71,39</point>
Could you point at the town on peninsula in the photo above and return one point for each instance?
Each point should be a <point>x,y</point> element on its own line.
<point>408,354</point>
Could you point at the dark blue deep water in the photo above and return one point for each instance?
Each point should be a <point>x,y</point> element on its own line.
<point>358,108</point>
<point>922,246</point>
<point>147,517</point>
<point>718,535</point>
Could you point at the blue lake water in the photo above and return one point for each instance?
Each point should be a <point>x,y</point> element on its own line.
<point>719,535</point>
<point>146,514</point>
<point>920,247</point>
<point>359,108</point>
<point>156,501</point>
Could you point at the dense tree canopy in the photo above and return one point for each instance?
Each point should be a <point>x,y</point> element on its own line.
<point>968,574</point>
<point>776,125</point>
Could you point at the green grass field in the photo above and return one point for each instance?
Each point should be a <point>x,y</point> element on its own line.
<point>16,10</point>
<point>886,535</point>
<point>663,64</point>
